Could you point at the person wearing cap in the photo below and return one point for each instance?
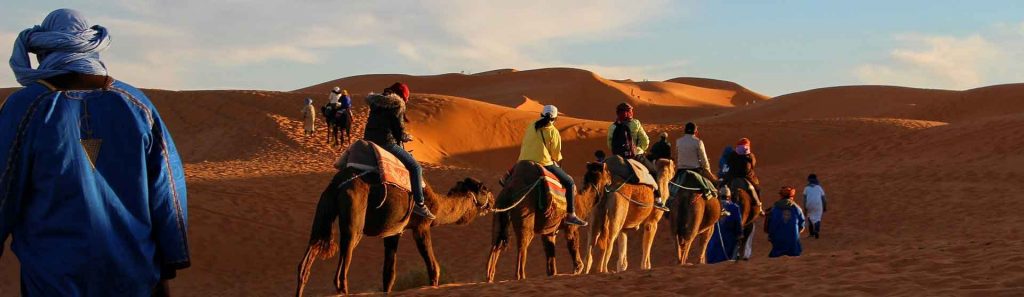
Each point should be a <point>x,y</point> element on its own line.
<point>309,117</point>
<point>815,204</point>
<point>543,144</point>
<point>627,138</point>
<point>661,149</point>
<point>784,223</point>
<point>741,165</point>
<point>92,189</point>
<point>334,96</point>
<point>385,127</point>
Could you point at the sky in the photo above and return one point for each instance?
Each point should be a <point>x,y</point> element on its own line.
<point>772,47</point>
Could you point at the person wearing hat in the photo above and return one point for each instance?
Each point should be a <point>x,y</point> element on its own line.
<point>385,127</point>
<point>334,96</point>
<point>815,204</point>
<point>661,149</point>
<point>784,223</point>
<point>741,165</point>
<point>92,189</point>
<point>309,117</point>
<point>627,138</point>
<point>543,144</point>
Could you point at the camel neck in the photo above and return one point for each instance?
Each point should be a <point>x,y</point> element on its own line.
<point>456,209</point>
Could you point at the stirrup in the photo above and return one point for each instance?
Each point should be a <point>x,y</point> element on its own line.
<point>661,206</point>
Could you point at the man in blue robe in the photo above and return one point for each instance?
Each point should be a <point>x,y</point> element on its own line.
<point>92,190</point>
<point>722,246</point>
<point>784,223</point>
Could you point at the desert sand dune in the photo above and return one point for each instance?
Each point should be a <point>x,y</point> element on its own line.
<point>922,185</point>
<point>574,91</point>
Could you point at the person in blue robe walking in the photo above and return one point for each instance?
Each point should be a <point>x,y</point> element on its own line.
<point>92,190</point>
<point>722,246</point>
<point>784,223</point>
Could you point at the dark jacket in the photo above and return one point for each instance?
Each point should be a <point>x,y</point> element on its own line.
<point>660,150</point>
<point>385,125</point>
<point>742,166</point>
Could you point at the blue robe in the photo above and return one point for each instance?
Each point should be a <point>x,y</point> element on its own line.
<point>785,221</point>
<point>722,246</point>
<point>90,222</point>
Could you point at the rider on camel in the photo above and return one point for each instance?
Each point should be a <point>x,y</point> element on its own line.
<point>741,165</point>
<point>691,155</point>
<point>543,144</point>
<point>627,138</point>
<point>385,127</point>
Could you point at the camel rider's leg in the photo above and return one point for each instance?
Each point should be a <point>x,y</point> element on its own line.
<point>415,177</point>
<point>570,192</point>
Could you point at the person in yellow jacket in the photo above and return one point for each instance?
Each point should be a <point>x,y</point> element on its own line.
<point>543,144</point>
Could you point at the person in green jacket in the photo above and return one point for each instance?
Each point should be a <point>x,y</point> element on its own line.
<point>543,144</point>
<point>627,138</point>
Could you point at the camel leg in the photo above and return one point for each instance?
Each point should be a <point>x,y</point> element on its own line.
<point>347,244</point>
<point>549,252</point>
<point>426,248</point>
<point>304,270</point>
<point>623,252</point>
<point>650,229</point>
<point>390,251</point>
<point>705,239</point>
<point>572,241</point>
<point>525,237</point>
<point>500,234</point>
<point>614,230</point>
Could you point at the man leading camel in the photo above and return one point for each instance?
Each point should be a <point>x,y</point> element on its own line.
<point>93,190</point>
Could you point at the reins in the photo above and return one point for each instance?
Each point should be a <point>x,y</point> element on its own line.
<point>521,198</point>
<point>616,192</point>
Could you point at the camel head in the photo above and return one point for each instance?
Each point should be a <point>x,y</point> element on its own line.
<point>597,175</point>
<point>474,189</point>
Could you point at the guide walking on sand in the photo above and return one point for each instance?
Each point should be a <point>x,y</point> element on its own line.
<point>91,185</point>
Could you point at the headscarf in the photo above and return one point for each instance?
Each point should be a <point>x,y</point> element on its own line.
<point>787,192</point>
<point>309,101</point>
<point>743,147</point>
<point>400,89</point>
<point>725,156</point>
<point>623,112</point>
<point>64,43</point>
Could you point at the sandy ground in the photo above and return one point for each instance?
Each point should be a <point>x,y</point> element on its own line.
<point>922,186</point>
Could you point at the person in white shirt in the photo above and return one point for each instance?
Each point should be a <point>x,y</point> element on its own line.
<point>814,204</point>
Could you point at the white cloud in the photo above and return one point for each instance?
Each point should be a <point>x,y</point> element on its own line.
<point>940,61</point>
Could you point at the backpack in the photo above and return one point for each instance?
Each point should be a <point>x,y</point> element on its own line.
<point>622,140</point>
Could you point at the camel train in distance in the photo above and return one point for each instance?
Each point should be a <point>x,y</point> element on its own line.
<point>364,202</point>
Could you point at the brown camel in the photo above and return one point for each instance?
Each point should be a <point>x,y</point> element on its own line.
<point>628,207</point>
<point>741,192</point>
<point>353,197</point>
<point>693,215</point>
<point>524,219</point>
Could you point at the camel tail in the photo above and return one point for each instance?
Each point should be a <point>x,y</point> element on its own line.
<point>502,222</point>
<point>321,238</point>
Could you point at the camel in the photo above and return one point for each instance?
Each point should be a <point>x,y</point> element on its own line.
<point>628,207</point>
<point>741,193</point>
<point>339,125</point>
<point>353,197</point>
<point>693,215</point>
<point>524,220</point>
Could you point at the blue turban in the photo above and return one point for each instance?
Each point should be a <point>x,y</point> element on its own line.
<point>64,43</point>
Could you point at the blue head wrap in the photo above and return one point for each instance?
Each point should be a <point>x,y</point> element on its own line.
<point>64,43</point>
<point>725,155</point>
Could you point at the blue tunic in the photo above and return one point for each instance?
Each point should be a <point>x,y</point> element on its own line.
<point>722,246</point>
<point>784,224</point>
<point>92,192</point>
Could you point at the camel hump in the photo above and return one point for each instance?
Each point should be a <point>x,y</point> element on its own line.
<point>368,156</point>
<point>630,170</point>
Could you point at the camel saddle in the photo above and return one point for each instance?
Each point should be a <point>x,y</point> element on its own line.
<point>693,181</point>
<point>367,156</point>
<point>630,170</point>
<point>549,204</point>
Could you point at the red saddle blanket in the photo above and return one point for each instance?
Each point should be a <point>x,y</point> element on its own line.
<point>365,155</point>
<point>556,191</point>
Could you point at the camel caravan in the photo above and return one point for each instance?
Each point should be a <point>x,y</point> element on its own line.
<point>379,191</point>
